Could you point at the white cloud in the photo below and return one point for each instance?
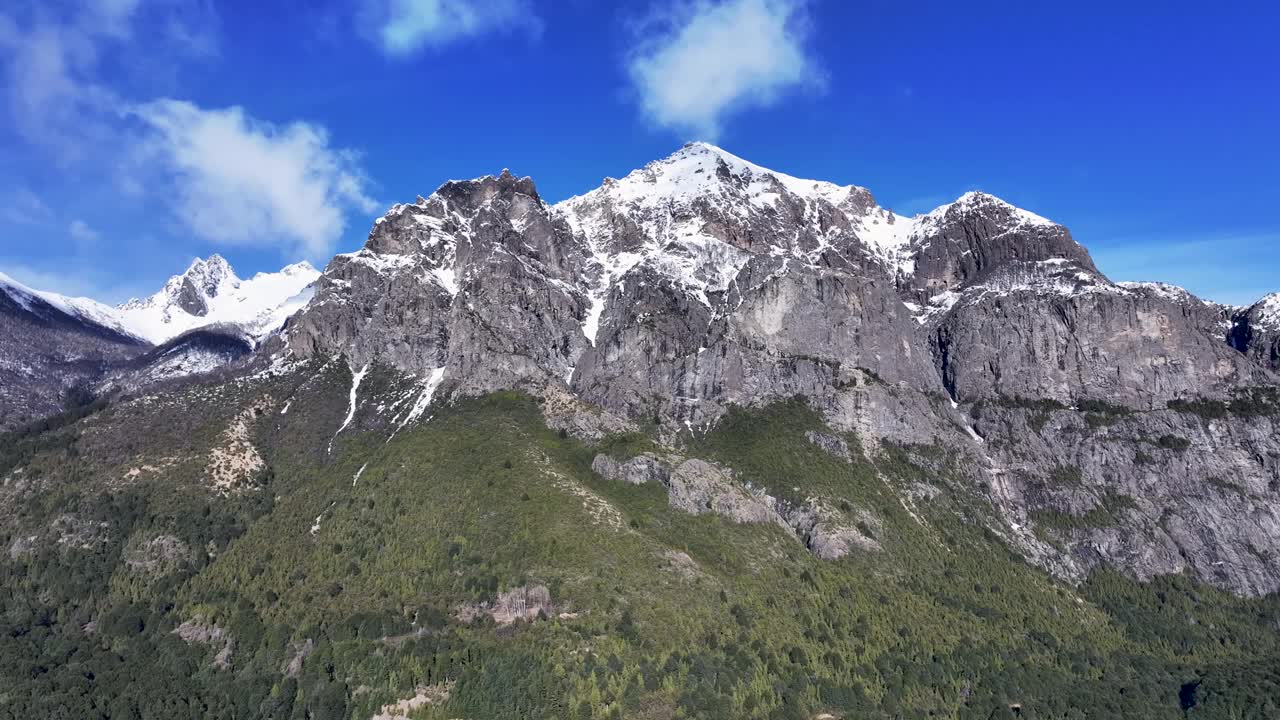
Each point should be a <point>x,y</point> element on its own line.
<point>72,280</point>
<point>403,27</point>
<point>49,96</point>
<point>51,54</point>
<point>24,207</point>
<point>706,60</point>
<point>244,182</point>
<point>81,232</point>
<point>68,69</point>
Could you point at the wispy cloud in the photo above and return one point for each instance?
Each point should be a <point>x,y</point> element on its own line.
<point>80,231</point>
<point>23,207</point>
<point>51,55</point>
<point>697,63</point>
<point>404,27</point>
<point>72,280</point>
<point>240,181</point>
<point>229,178</point>
<point>1233,268</point>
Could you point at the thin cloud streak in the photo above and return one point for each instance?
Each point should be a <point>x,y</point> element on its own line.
<point>402,28</point>
<point>1223,269</point>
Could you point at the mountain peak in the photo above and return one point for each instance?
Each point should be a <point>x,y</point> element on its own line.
<point>699,147</point>
<point>301,267</point>
<point>702,170</point>
<point>209,292</point>
<point>211,272</point>
<point>979,201</point>
<point>1267,310</point>
<point>214,260</point>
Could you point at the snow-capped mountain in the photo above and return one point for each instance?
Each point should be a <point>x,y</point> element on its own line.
<point>703,232</point>
<point>701,213</point>
<point>1267,311</point>
<point>86,309</point>
<point>202,319</point>
<point>207,293</point>
<point>703,282</point>
<point>210,293</point>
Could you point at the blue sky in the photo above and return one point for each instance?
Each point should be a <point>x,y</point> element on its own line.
<point>138,134</point>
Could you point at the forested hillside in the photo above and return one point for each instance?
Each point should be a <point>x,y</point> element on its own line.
<point>475,566</point>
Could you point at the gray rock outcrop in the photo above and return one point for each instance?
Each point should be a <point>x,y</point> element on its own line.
<point>697,487</point>
<point>832,444</point>
<point>638,470</point>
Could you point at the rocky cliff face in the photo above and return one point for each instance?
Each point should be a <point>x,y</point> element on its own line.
<point>1255,330</point>
<point>1054,330</point>
<point>480,282</point>
<point>1153,492</point>
<point>702,281</point>
<point>1119,425</point>
<point>696,282</point>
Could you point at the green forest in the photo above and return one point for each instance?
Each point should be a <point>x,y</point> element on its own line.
<point>335,584</point>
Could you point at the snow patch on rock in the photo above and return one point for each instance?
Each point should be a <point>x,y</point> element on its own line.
<point>356,379</point>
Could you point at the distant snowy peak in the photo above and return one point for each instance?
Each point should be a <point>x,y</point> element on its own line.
<point>209,278</point>
<point>209,292</point>
<point>1266,312</point>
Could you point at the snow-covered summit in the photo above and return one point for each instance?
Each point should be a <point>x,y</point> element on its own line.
<point>698,215</point>
<point>1267,312</point>
<point>976,201</point>
<point>212,276</point>
<point>702,212</point>
<point>701,172</point>
<point>699,169</point>
<point>1167,291</point>
<point>209,292</point>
